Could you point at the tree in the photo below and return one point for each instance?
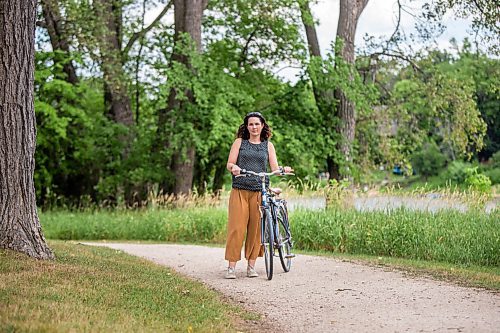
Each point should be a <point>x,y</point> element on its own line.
<point>20,228</point>
<point>350,12</point>
<point>187,38</point>
<point>323,95</point>
<point>435,104</point>
<point>54,24</point>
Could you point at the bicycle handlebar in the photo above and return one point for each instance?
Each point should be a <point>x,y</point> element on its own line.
<point>245,173</point>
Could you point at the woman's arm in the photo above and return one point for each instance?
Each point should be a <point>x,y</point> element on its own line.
<point>273,160</point>
<point>233,158</point>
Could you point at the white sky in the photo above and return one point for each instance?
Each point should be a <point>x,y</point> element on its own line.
<point>379,19</point>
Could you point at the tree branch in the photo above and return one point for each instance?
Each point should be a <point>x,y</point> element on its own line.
<point>397,27</point>
<point>244,52</point>
<point>41,24</point>
<point>398,56</point>
<point>478,6</point>
<point>144,31</point>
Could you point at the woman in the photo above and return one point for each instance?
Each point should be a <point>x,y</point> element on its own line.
<point>253,151</point>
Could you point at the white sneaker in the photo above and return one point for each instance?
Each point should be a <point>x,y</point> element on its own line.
<point>251,272</point>
<point>231,273</point>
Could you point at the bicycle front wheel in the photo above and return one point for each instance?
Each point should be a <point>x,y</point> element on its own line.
<point>268,242</point>
<point>284,239</point>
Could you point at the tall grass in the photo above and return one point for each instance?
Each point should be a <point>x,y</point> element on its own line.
<point>449,236</point>
<point>204,225</point>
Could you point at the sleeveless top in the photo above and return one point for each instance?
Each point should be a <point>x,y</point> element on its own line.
<point>252,157</point>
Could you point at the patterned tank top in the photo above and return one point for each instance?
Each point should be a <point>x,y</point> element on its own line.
<point>253,157</point>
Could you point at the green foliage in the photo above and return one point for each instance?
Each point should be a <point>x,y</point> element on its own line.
<point>429,161</point>
<point>492,168</point>
<point>74,139</point>
<point>456,171</point>
<point>438,105</point>
<point>81,160</point>
<point>485,74</point>
<point>477,180</point>
<point>331,74</point>
<point>494,175</point>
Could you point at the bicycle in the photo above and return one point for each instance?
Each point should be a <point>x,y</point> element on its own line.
<point>275,227</point>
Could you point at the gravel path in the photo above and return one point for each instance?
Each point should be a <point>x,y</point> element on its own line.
<point>328,295</point>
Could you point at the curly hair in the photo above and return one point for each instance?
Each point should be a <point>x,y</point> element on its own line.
<point>243,132</point>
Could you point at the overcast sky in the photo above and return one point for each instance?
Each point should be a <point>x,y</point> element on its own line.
<point>378,19</point>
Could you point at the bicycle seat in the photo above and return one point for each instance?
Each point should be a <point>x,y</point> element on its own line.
<point>276,190</point>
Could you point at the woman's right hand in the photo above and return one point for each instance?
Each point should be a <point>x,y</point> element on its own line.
<point>235,170</point>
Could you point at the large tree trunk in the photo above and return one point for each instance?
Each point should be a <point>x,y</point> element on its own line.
<point>20,228</point>
<point>325,99</point>
<point>108,33</point>
<point>350,10</point>
<point>58,37</point>
<point>188,15</point>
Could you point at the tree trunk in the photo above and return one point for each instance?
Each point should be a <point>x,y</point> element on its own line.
<point>20,228</point>
<point>187,16</point>
<point>312,36</point>
<point>346,31</point>
<point>58,38</point>
<point>325,99</point>
<point>108,33</point>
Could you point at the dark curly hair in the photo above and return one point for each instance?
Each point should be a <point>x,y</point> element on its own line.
<point>243,132</point>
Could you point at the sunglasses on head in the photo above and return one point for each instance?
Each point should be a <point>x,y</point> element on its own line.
<point>255,114</point>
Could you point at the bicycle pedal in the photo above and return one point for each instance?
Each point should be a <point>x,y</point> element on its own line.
<point>289,256</point>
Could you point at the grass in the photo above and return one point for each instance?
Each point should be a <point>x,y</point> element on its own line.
<point>203,225</point>
<point>470,238</point>
<point>103,290</point>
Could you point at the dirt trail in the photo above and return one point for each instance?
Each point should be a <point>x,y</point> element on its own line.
<point>328,295</point>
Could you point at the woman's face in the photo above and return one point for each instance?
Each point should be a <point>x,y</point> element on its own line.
<point>255,126</point>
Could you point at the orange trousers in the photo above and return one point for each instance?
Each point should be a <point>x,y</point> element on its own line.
<point>243,217</point>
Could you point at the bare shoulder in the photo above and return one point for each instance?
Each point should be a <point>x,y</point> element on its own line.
<point>270,145</point>
<point>237,143</point>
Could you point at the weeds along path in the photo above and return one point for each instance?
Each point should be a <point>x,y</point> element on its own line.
<point>328,295</point>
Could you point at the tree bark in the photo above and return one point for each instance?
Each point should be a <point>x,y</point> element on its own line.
<point>187,16</point>
<point>108,33</point>
<point>20,228</point>
<point>346,31</point>
<point>312,36</point>
<point>58,38</point>
<point>325,99</point>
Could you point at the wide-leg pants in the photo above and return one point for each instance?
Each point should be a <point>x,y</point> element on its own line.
<point>243,218</point>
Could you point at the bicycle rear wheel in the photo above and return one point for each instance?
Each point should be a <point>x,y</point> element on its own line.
<point>284,238</point>
<point>268,243</point>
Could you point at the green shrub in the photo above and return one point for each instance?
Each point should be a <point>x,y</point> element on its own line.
<point>456,171</point>
<point>477,180</point>
<point>494,175</point>
<point>429,161</point>
<point>495,160</point>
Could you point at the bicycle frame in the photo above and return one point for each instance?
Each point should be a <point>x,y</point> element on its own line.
<point>269,210</point>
